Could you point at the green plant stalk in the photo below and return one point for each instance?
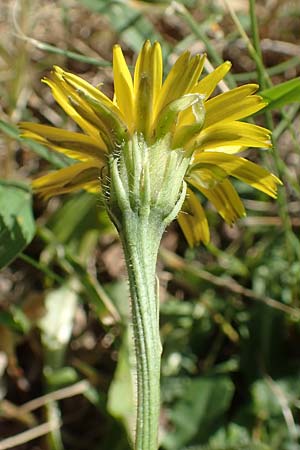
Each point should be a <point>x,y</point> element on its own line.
<point>144,193</point>
<point>140,244</point>
<point>256,52</point>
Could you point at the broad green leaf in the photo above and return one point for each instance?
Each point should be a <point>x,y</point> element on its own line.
<point>282,94</point>
<point>17,225</point>
<point>199,411</point>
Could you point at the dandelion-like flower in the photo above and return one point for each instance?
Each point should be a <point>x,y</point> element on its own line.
<point>182,133</point>
<point>150,150</point>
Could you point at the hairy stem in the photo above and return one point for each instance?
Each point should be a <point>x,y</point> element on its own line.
<point>140,241</point>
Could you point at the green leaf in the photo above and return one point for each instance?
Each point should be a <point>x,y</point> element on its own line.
<point>17,227</point>
<point>282,94</point>
<point>199,412</point>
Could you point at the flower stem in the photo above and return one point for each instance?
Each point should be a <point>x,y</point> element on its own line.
<point>140,239</point>
<point>146,192</point>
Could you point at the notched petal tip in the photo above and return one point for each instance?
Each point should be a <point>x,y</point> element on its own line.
<point>262,100</point>
<point>146,46</point>
<point>228,64</point>
<point>156,45</point>
<point>253,87</point>
<point>57,72</point>
<point>45,80</point>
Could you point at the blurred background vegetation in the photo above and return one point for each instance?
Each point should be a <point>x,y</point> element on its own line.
<point>230,313</point>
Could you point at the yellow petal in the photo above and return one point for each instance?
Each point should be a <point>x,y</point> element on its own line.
<point>113,129</point>
<point>143,90</point>
<point>230,149</point>
<point>241,168</point>
<point>68,179</point>
<point>238,134</point>
<point>61,96</point>
<point>224,198</point>
<point>147,85</point>
<point>75,145</point>
<point>93,187</point>
<point>157,67</point>
<point>208,84</point>
<point>233,105</point>
<point>82,103</point>
<point>181,79</point>
<point>192,220</point>
<point>123,85</point>
<point>79,84</point>
<point>89,104</point>
<point>207,175</point>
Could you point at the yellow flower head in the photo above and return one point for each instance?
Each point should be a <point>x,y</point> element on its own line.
<point>171,117</point>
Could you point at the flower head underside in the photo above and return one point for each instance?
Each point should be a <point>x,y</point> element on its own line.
<point>176,116</point>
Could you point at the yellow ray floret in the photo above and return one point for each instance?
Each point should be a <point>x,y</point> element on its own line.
<point>193,221</point>
<point>61,96</point>
<point>75,145</point>
<point>83,175</point>
<point>123,86</point>
<point>209,83</point>
<point>224,198</point>
<point>240,168</point>
<point>147,86</point>
<point>233,105</point>
<point>230,134</point>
